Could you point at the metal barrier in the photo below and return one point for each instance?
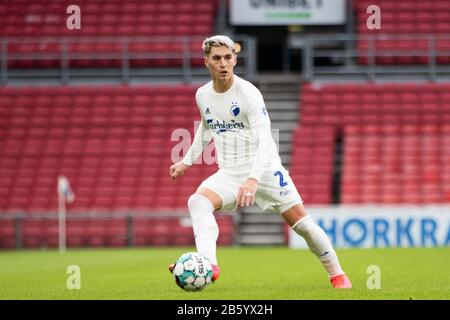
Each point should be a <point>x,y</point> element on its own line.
<point>181,56</point>
<point>365,56</point>
<point>129,217</point>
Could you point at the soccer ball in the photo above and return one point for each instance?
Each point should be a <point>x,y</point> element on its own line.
<point>193,272</point>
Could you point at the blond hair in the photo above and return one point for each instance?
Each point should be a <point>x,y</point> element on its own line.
<point>217,41</point>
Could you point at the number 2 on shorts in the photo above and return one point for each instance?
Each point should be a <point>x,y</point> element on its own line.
<point>282,182</point>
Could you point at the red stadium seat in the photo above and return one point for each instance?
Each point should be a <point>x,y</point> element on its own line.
<point>394,136</point>
<point>403,19</point>
<point>124,19</point>
<point>112,162</point>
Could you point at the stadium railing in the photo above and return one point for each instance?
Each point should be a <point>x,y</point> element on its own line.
<point>376,57</point>
<point>121,59</point>
<point>125,228</point>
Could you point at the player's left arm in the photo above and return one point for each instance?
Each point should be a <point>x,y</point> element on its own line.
<point>260,125</point>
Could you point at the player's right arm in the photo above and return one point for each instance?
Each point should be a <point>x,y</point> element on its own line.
<point>177,169</point>
<point>201,139</point>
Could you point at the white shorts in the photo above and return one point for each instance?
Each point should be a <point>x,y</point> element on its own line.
<point>276,190</point>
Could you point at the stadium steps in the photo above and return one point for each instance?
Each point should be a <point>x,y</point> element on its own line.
<point>262,240</point>
<point>257,228</point>
<point>281,96</point>
<point>274,228</point>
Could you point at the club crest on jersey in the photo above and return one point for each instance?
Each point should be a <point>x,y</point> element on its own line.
<point>235,110</point>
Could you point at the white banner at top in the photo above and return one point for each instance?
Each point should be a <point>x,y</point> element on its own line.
<point>287,12</point>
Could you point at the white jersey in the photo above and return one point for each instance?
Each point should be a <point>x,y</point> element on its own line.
<point>238,122</point>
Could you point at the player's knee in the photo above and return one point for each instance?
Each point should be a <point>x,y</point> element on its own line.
<point>201,211</point>
<point>191,202</point>
<point>305,227</point>
<point>198,202</point>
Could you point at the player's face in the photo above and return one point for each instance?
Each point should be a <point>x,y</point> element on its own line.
<point>221,62</point>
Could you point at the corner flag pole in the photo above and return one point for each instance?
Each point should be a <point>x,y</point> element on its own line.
<point>65,194</point>
<point>62,223</point>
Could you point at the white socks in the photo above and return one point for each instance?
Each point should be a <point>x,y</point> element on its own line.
<point>319,244</point>
<point>206,230</point>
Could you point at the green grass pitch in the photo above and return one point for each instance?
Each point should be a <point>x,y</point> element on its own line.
<point>247,273</point>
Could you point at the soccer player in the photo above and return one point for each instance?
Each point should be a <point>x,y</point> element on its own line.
<point>234,115</point>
